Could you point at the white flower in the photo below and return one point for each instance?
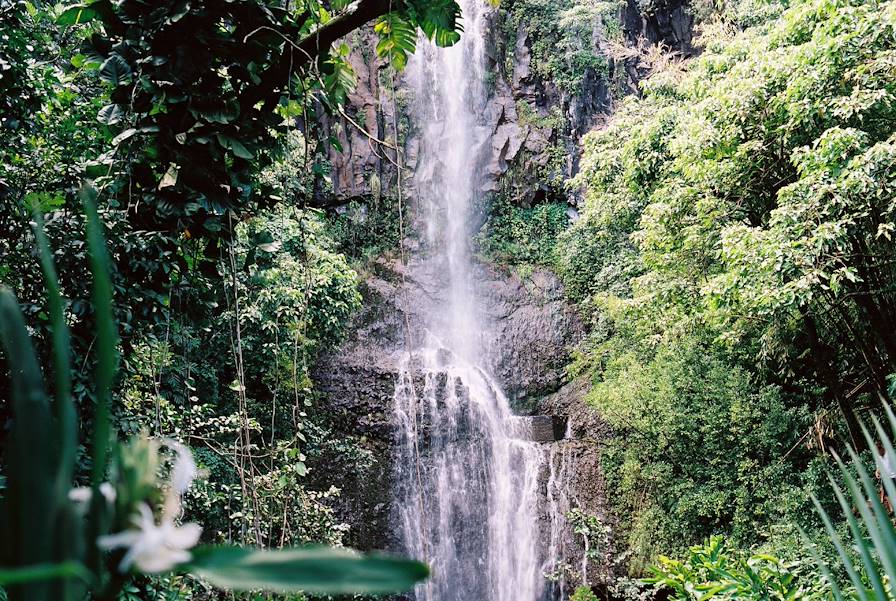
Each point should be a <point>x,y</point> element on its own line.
<point>83,494</point>
<point>184,471</point>
<point>153,548</point>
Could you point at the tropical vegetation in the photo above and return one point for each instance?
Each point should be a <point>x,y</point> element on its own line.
<point>172,267</point>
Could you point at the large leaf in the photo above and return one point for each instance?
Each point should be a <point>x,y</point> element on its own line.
<point>115,70</point>
<point>110,114</point>
<point>43,572</point>
<point>235,146</point>
<point>340,81</point>
<point>31,502</point>
<point>107,362</point>
<point>398,39</point>
<point>319,570</point>
<point>440,21</point>
<point>78,13</point>
<point>873,535</point>
<point>84,12</point>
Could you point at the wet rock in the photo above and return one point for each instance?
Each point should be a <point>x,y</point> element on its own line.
<point>542,428</point>
<point>532,332</point>
<point>583,421</point>
<point>573,480</point>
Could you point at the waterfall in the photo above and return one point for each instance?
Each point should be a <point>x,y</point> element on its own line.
<point>467,482</point>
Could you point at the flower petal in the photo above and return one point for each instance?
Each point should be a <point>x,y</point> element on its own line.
<point>161,560</point>
<point>128,538</point>
<point>184,470</point>
<point>183,537</point>
<point>108,491</point>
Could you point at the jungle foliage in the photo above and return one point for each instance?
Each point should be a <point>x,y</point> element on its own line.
<point>196,125</point>
<point>735,253</point>
<point>734,256</point>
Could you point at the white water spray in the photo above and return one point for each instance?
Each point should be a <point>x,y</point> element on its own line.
<point>467,482</point>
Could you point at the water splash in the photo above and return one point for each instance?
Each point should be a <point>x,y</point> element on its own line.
<point>467,480</point>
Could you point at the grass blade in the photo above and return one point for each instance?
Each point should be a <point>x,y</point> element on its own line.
<point>825,570</point>
<point>871,569</point>
<point>43,571</point>
<point>881,529</point>
<point>845,560</point>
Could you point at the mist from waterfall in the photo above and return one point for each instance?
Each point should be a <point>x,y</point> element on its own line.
<point>467,482</point>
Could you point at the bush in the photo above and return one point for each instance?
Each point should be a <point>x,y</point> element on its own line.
<point>516,235</point>
<point>714,570</point>
<point>583,593</point>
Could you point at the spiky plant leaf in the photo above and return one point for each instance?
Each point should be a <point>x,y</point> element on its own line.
<point>107,358</point>
<point>30,501</point>
<point>872,533</point>
<point>66,420</point>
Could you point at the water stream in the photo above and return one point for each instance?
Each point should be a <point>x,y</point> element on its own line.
<point>467,481</point>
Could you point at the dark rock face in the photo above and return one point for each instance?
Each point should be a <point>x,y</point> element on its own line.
<point>667,22</point>
<point>530,331</point>
<point>574,480</point>
<point>534,331</point>
<point>522,161</point>
<point>359,171</point>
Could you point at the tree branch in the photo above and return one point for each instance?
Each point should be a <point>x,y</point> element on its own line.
<point>360,13</point>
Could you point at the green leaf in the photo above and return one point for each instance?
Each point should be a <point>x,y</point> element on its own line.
<point>123,136</point>
<point>318,570</point>
<point>78,13</point>
<point>44,202</point>
<point>107,360</point>
<point>398,39</point>
<point>43,572</point>
<point>30,500</point>
<point>110,114</point>
<point>440,21</point>
<point>170,177</point>
<point>66,419</point>
<point>234,146</point>
<point>115,70</point>
<point>340,81</point>
<point>218,112</point>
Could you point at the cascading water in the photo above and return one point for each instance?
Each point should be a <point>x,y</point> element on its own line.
<point>467,482</point>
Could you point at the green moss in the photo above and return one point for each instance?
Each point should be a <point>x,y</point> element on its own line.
<point>529,116</point>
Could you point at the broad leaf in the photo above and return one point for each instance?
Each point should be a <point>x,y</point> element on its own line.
<point>107,362</point>
<point>318,570</point>
<point>110,114</point>
<point>66,419</point>
<point>235,146</point>
<point>79,13</point>
<point>398,39</point>
<point>43,572</point>
<point>115,70</point>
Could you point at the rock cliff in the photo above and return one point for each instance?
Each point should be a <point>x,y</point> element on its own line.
<point>534,125</point>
